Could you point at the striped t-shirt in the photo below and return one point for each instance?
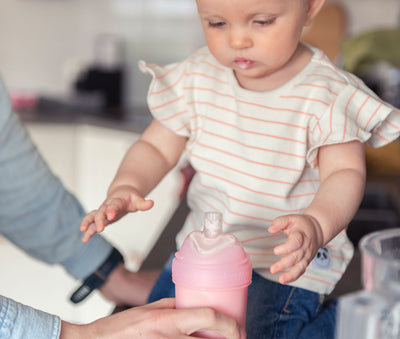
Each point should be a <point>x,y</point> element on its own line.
<point>255,153</point>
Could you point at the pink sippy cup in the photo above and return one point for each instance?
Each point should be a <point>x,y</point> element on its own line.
<point>211,269</point>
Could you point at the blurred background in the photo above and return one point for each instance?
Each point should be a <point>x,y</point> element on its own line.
<point>46,43</point>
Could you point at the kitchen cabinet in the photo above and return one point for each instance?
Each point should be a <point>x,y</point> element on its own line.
<point>85,157</point>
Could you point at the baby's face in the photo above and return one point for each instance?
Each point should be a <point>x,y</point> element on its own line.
<point>255,38</point>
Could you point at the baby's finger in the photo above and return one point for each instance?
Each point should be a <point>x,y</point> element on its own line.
<point>114,209</point>
<point>293,243</point>
<point>144,205</point>
<point>287,261</point>
<point>89,233</point>
<point>294,273</point>
<point>279,224</point>
<point>87,220</point>
<point>100,219</point>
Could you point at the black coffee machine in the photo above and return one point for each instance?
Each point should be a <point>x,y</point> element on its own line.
<point>105,76</point>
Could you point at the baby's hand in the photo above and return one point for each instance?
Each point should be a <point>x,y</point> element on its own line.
<point>304,239</point>
<point>120,201</point>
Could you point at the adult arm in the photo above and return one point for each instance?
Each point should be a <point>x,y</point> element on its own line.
<point>20,321</point>
<point>156,320</point>
<point>38,215</point>
<point>159,319</point>
<point>36,212</point>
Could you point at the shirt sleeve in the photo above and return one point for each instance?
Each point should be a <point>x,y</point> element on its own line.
<point>37,213</point>
<point>21,321</point>
<point>355,114</point>
<point>166,98</point>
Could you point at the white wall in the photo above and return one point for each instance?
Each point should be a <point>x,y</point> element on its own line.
<point>42,40</point>
<point>365,15</point>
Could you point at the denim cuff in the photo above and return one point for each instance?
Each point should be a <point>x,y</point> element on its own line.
<point>21,321</point>
<point>88,257</point>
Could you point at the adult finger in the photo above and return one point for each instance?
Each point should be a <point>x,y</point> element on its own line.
<point>161,304</point>
<point>193,320</point>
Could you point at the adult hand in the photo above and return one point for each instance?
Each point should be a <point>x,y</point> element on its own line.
<point>156,320</point>
<point>124,287</point>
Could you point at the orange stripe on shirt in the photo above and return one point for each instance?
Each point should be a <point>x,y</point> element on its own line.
<point>346,114</point>
<point>168,72</point>
<point>245,159</point>
<point>264,254</point>
<point>255,148</point>
<point>249,202</point>
<point>392,125</point>
<point>167,103</point>
<point>326,77</point>
<point>257,192</point>
<point>380,136</point>
<point>208,77</point>
<point>330,121</point>
<point>169,87</point>
<point>208,90</point>
<point>279,109</point>
<point>173,116</point>
<point>372,116</point>
<point>246,130</point>
<point>358,113</point>
<point>316,279</point>
<point>242,172</point>
<point>207,202</point>
<point>318,86</point>
<point>242,115</point>
<point>304,98</point>
<point>213,66</point>
<point>341,258</point>
<point>260,238</point>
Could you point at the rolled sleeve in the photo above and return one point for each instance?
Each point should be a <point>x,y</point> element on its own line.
<point>36,212</point>
<point>20,321</point>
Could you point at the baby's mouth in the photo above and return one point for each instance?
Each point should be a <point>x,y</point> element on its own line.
<point>243,63</point>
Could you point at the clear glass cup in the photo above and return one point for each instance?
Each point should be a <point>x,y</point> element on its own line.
<point>374,313</point>
<point>380,253</point>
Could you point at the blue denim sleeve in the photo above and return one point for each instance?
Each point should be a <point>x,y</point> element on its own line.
<point>21,321</point>
<point>36,212</point>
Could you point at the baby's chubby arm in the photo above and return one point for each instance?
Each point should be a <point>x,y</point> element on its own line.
<point>146,162</point>
<point>342,177</point>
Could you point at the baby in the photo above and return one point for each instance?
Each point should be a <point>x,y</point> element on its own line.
<point>275,133</point>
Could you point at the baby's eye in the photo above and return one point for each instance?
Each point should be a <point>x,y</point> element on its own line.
<point>216,24</point>
<point>264,22</point>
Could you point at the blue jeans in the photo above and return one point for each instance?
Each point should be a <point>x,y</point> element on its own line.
<point>273,310</point>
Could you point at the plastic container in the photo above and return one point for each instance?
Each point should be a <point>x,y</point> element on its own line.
<point>212,270</point>
<point>374,313</point>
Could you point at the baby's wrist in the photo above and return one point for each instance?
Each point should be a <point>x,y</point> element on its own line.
<point>319,233</point>
<point>120,188</point>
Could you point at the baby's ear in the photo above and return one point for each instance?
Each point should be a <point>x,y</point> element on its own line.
<point>314,6</point>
